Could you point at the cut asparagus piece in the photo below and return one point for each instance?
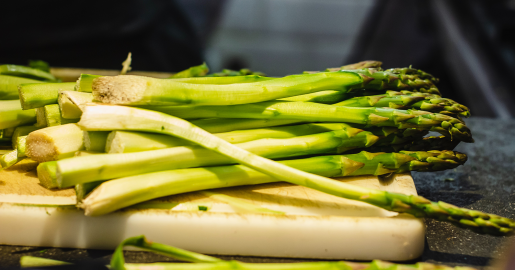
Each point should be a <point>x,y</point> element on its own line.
<point>70,102</point>
<point>54,143</point>
<point>20,146</point>
<point>96,140</point>
<point>107,166</point>
<point>128,142</point>
<point>83,190</point>
<point>138,90</point>
<point>47,174</point>
<point>203,262</point>
<point>307,111</point>
<point>9,86</point>
<point>102,117</point>
<point>21,131</point>
<point>119,193</point>
<point>9,159</point>
<point>11,114</point>
<point>196,71</point>
<point>408,100</point>
<point>34,262</point>
<point>84,82</point>
<point>41,94</point>
<point>51,115</point>
<point>26,72</point>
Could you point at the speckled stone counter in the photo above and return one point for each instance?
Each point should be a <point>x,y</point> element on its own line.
<point>486,183</point>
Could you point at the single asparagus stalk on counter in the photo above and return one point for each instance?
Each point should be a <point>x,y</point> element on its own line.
<point>54,143</point>
<point>137,90</point>
<point>95,141</point>
<point>50,115</point>
<point>11,114</point>
<point>9,86</point>
<point>107,166</point>
<point>26,72</point>
<point>408,100</point>
<point>35,95</point>
<point>195,71</point>
<point>21,131</point>
<point>127,142</point>
<point>204,262</point>
<point>70,102</point>
<point>119,193</point>
<point>103,117</point>
<point>307,111</point>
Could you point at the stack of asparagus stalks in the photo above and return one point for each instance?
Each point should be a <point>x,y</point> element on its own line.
<point>123,140</point>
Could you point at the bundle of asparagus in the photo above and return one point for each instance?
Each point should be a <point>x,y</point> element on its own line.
<point>125,139</point>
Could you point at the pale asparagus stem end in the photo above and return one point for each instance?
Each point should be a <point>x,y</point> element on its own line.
<point>119,89</point>
<point>39,148</point>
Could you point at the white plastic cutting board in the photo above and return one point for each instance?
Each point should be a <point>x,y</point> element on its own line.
<point>316,225</point>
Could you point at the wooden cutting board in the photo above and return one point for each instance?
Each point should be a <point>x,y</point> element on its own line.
<point>316,225</point>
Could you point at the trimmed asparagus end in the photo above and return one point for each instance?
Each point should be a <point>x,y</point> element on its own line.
<point>54,143</point>
<point>119,89</point>
<point>47,174</point>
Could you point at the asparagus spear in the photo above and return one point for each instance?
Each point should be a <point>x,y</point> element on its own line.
<point>54,143</point>
<point>70,102</point>
<point>21,131</point>
<point>407,100</point>
<point>424,144</point>
<point>20,146</point>
<point>307,111</point>
<point>41,94</point>
<point>26,72</point>
<point>11,114</point>
<point>47,174</point>
<point>107,166</point>
<point>137,90</point>
<point>50,115</point>
<point>325,97</point>
<point>218,125</point>
<point>203,262</point>
<point>9,159</point>
<point>196,71</point>
<point>95,140</point>
<point>119,193</point>
<point>102,117</point>
<point>127,142</point>
<point>9,86</point>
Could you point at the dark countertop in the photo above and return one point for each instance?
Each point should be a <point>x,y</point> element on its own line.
<point>485,183</point>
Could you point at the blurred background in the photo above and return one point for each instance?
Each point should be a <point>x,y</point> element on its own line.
<point>469,45</point>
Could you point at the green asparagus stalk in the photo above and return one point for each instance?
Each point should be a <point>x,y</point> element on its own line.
<point>33,262</point>
<point>307,111</point>
<point>203,262</point>
<point>11,114</point>
<point>424,144</point>
<point>107,166</point>
<point>20,146</point>
<point>84,82</point>
<point>324,97</point>
<point>359,65</point>
<point>84,189</point>
<point>21,131</point>
<point>47,174</point>
<point>103,117</point>
<point>9,86</point>
<point>50,115</point>
<point>26,72</point>
<point>219,125</point>
<point>119,193</point>
<point>233,73</point>
<point>96,140</point>
<point>196,71</point>
<point>41,94</point>
<point>70,102</point>
<point>408,100</point>
<point>9,159</point>
<point>128,142</point>
<point>137,90</point>
<point>412,71</point>
<point>54,143</point>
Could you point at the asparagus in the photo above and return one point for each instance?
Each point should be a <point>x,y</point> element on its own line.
<point>107,166</point>
<point>196,71</point>
<point>359,65</point>
<point>41,94</point>
<point>50,115</point>
<point>26,72</point>
<point>11,114</point>
<point>127,142</point>
<point>203,262</point>
<point>95,140</point>
<point>325,97</point>
<point>54,143</point>
<point>21,131</point>
<point>232,73</point>
<point>137,90</point>
<point>306,111</point>
<point>102,117</point>
<point>424,144</point>
<point>9,132</point>
<point>9,86</point>
<point>32,262</point>
<point>47,174</point>
<point>407,100</point>
<point>70,102</point>
<point>9,159</point>
<point>217,125</point>
<point>20,146</point>
<point>119,193</point>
